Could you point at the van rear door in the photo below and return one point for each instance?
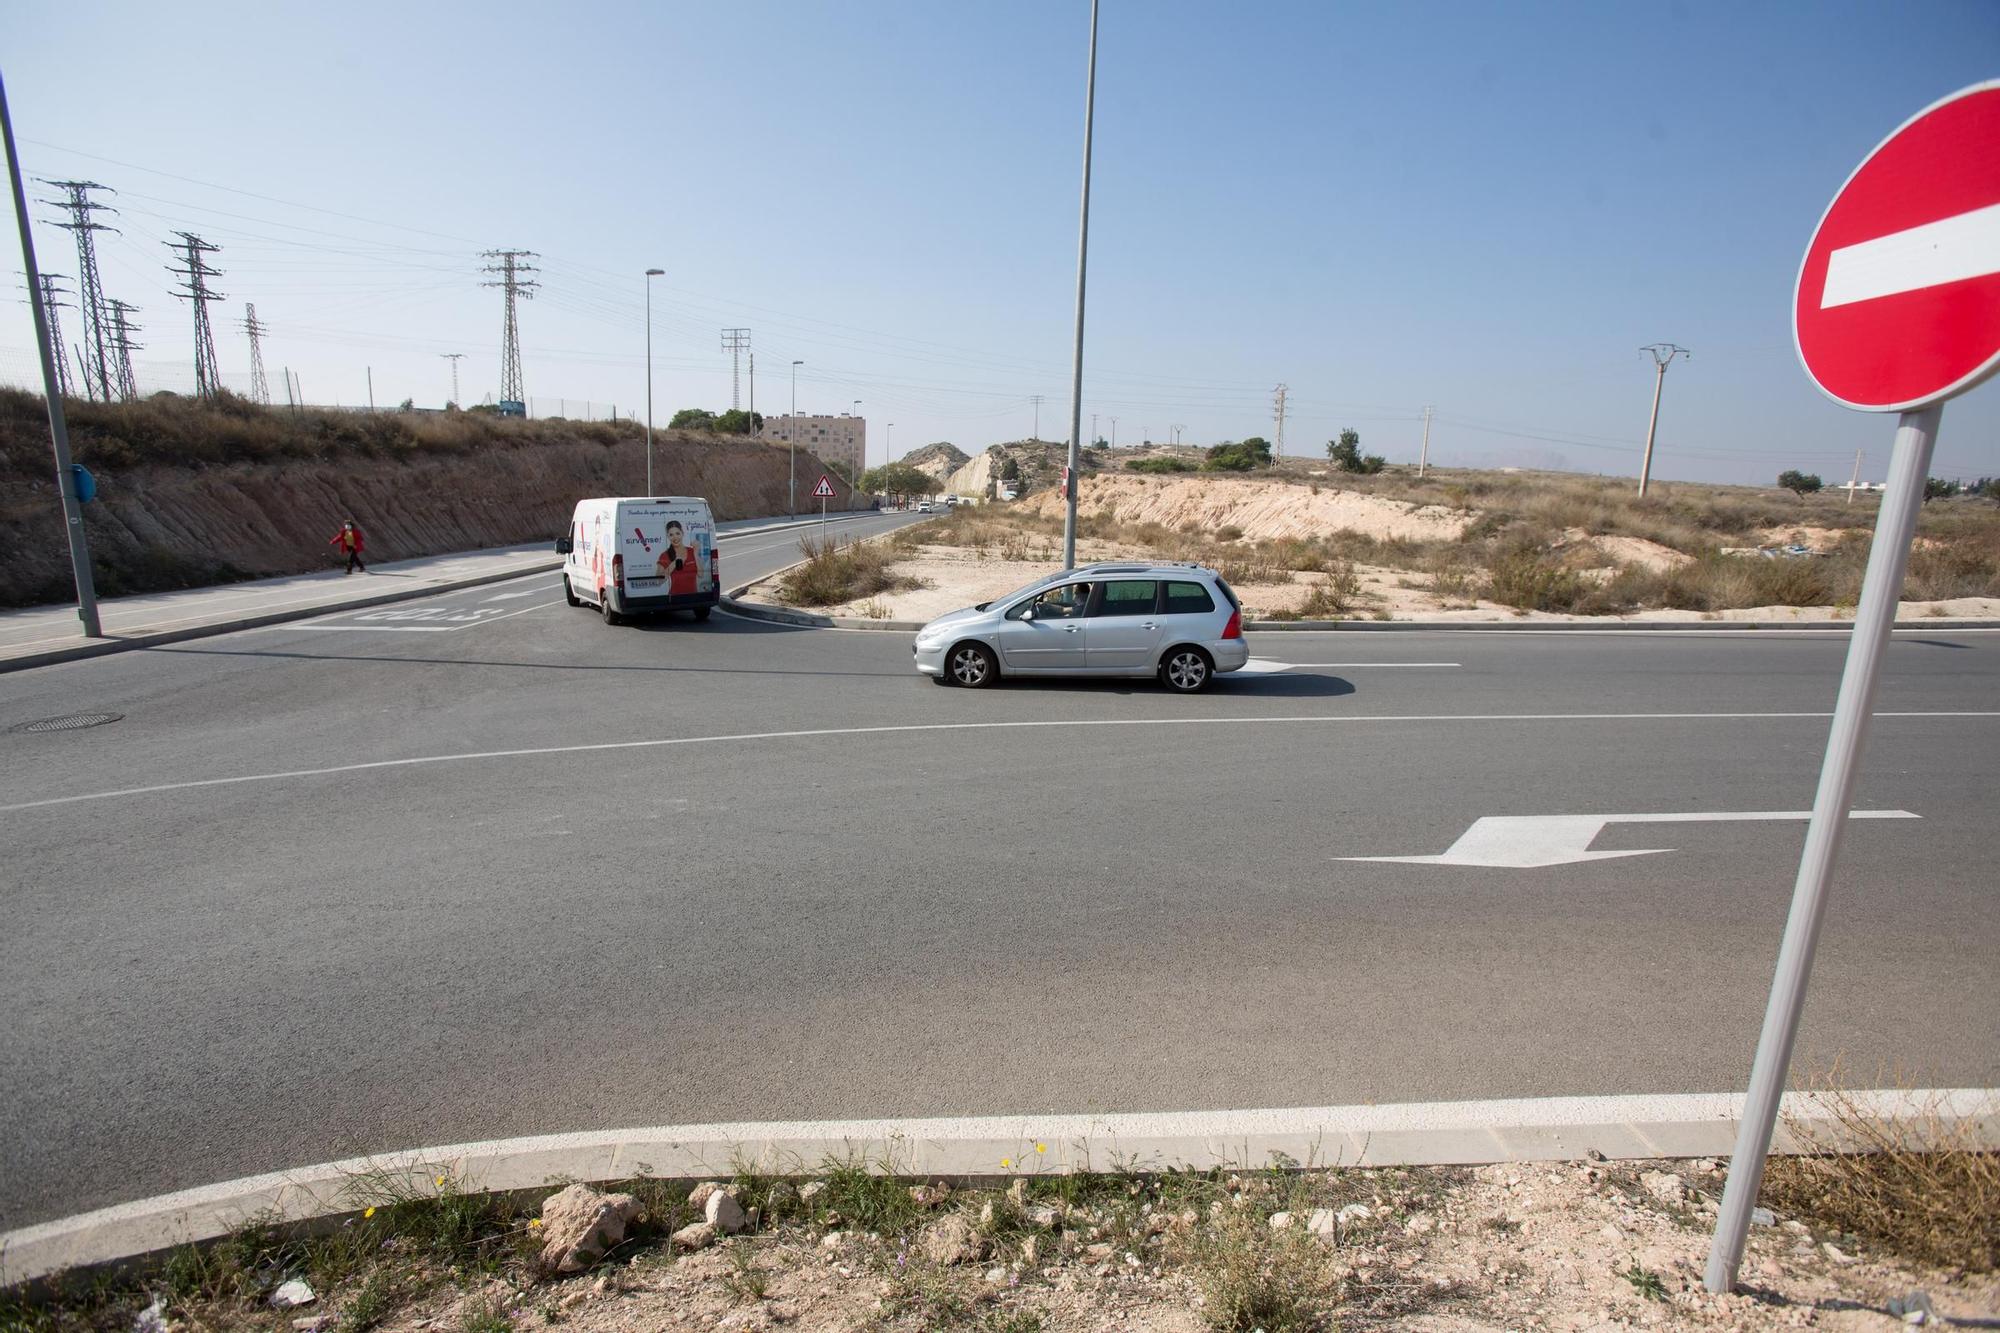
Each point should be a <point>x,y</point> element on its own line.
<point>669,547</point>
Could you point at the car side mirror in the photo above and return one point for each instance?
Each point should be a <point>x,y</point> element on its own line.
<point>563,545</point>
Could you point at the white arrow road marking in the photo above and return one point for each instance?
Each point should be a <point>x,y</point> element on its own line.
<point>1267,666</point>
<point>1527,841</point>
<point>510,596</point>
<point>1948,250</point>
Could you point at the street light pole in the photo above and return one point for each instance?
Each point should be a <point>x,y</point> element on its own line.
<point>79,545</point>
<point>1662,353</point>
<point>651,273</point>
<point>1082,256</point>
<point>793,435</point>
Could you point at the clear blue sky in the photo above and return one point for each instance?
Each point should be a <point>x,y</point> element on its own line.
<point>1484,207</point>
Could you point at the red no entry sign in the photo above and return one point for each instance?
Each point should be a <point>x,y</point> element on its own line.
<point>1898,301</point>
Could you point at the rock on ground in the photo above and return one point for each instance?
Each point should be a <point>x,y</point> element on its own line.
<point>579,1224</point>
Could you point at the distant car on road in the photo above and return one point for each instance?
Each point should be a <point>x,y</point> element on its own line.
<point>923,506</point>
<point>1181,623</point>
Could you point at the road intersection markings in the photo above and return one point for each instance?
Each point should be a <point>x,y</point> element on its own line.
<point>1524,842</point>
<point>423,619</point>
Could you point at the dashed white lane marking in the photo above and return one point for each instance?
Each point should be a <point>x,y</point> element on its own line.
<point>1318,719</point>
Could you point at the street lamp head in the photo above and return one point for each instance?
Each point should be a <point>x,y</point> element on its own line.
<point>798,363</point>
<point>655,272</point>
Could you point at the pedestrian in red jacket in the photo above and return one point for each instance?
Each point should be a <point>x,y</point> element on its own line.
<point>350,540</point>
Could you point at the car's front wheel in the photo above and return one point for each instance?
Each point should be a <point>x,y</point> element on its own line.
<point>1186,670</point>
<point>569,593</point>
<point>971,665</point>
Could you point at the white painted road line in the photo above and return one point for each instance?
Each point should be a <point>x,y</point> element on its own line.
<point>1536,841</point>
<point>1314,719</point>
<point>1953,249</point>
<point>510,596</point>
<point>1524,1129</point>
<point>459,618</point>
<point>1267,666</point>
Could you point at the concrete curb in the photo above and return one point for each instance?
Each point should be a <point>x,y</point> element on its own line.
<point>103,647</point>
<point>988,1148</point>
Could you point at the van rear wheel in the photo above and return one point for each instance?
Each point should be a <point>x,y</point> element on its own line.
<point>701,612</point>
<point>604,609</point>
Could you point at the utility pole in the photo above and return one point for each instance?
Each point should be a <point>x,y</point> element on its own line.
<point>792,438</point>
<point>194,275</point>
<point>1278,396</point>
<point>90,292</point>
<point>1662,354</point>
<point>260,388</point>
<point>1424,454</point>
<point>735,342</point>
<point>1082,256</point>
<point>454,358</point>
<point>1114,432</point>
<point>1093,430</point>
<point>651,273</point>
<point>79,545</point>
<point>753,386</point>
<point>49,293</point>
<point>1855,479</point>
<point>1036,399</point>
<point>371,388</point>
<point>122,329</point>
<point>514,286</point>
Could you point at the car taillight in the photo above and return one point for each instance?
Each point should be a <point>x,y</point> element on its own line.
<point>618,570</point>
<point>1234,629</point>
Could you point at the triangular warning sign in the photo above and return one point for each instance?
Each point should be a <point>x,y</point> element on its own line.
<point>823,491</point>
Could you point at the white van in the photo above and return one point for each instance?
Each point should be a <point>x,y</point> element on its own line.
<point>631,557</point>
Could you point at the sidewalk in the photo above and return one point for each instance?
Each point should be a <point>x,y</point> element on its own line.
<point>40,635</point>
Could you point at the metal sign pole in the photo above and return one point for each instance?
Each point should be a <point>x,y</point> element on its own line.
<point>1895,524</point>
<point>79,544</point>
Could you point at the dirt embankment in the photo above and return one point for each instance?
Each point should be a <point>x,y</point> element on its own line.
<point>156,525</point>
<point>1262,510</point>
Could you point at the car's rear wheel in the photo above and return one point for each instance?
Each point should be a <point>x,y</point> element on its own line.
<point>971,665</point>
<point>604,609</point>
<point>1186,670</point>
<point>701,612</point>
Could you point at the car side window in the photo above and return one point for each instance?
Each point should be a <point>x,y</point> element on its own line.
<point>1187,599</point>
<point>1129,597</point>
<point>1064,602</point>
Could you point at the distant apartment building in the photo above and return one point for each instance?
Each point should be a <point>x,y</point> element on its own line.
<point>842,439</point>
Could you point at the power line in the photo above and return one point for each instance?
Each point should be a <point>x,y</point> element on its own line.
<point>735,342</point>
<point>194,274</point>
<point>122,329</point>
<point>260,389</point>
<point>90,291</point>
<point>514,287</point>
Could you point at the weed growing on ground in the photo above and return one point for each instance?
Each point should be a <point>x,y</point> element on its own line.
<point>865,1199</point>
<point>1646,1282</point>
<point>369,1305</point>
<point>1923,1186</point>
<point>836,571</point>
<point>745,1280</point>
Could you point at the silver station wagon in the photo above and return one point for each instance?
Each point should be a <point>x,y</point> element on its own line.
<point>1180,623</point>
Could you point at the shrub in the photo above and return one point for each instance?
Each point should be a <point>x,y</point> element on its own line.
<point>835,571</point>
<point>1160,465</point>
<point>1246,456</point>
<point>1529,578</point>
<point>1229,533</point>
<point>1347,456</point>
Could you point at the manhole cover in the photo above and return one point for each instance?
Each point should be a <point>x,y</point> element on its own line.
<point>71,722</point>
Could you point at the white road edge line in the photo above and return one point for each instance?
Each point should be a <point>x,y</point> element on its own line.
<point>917,727</point>
<point>1529,1129</point>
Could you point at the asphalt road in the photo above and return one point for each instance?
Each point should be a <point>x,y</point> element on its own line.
<point>483,866</point>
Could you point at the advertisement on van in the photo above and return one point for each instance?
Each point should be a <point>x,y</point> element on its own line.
<point>669,549</point>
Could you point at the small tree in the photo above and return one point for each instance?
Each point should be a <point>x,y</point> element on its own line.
<point>1010,471</point>
<point>738,422</point>
<point>1805,483</point>
<point>692,418</point>
<point>1347,456</point>
<point>900,479</point>
<point>1937,488</point>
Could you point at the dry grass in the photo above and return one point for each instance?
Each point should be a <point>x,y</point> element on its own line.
<point>1923,1187</point>
<point>835,571</point>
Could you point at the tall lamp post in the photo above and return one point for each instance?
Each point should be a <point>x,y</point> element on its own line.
<point>792,434</point>
<point>856,404</point>
<point>1082,251</point>
<point>651,273</point>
